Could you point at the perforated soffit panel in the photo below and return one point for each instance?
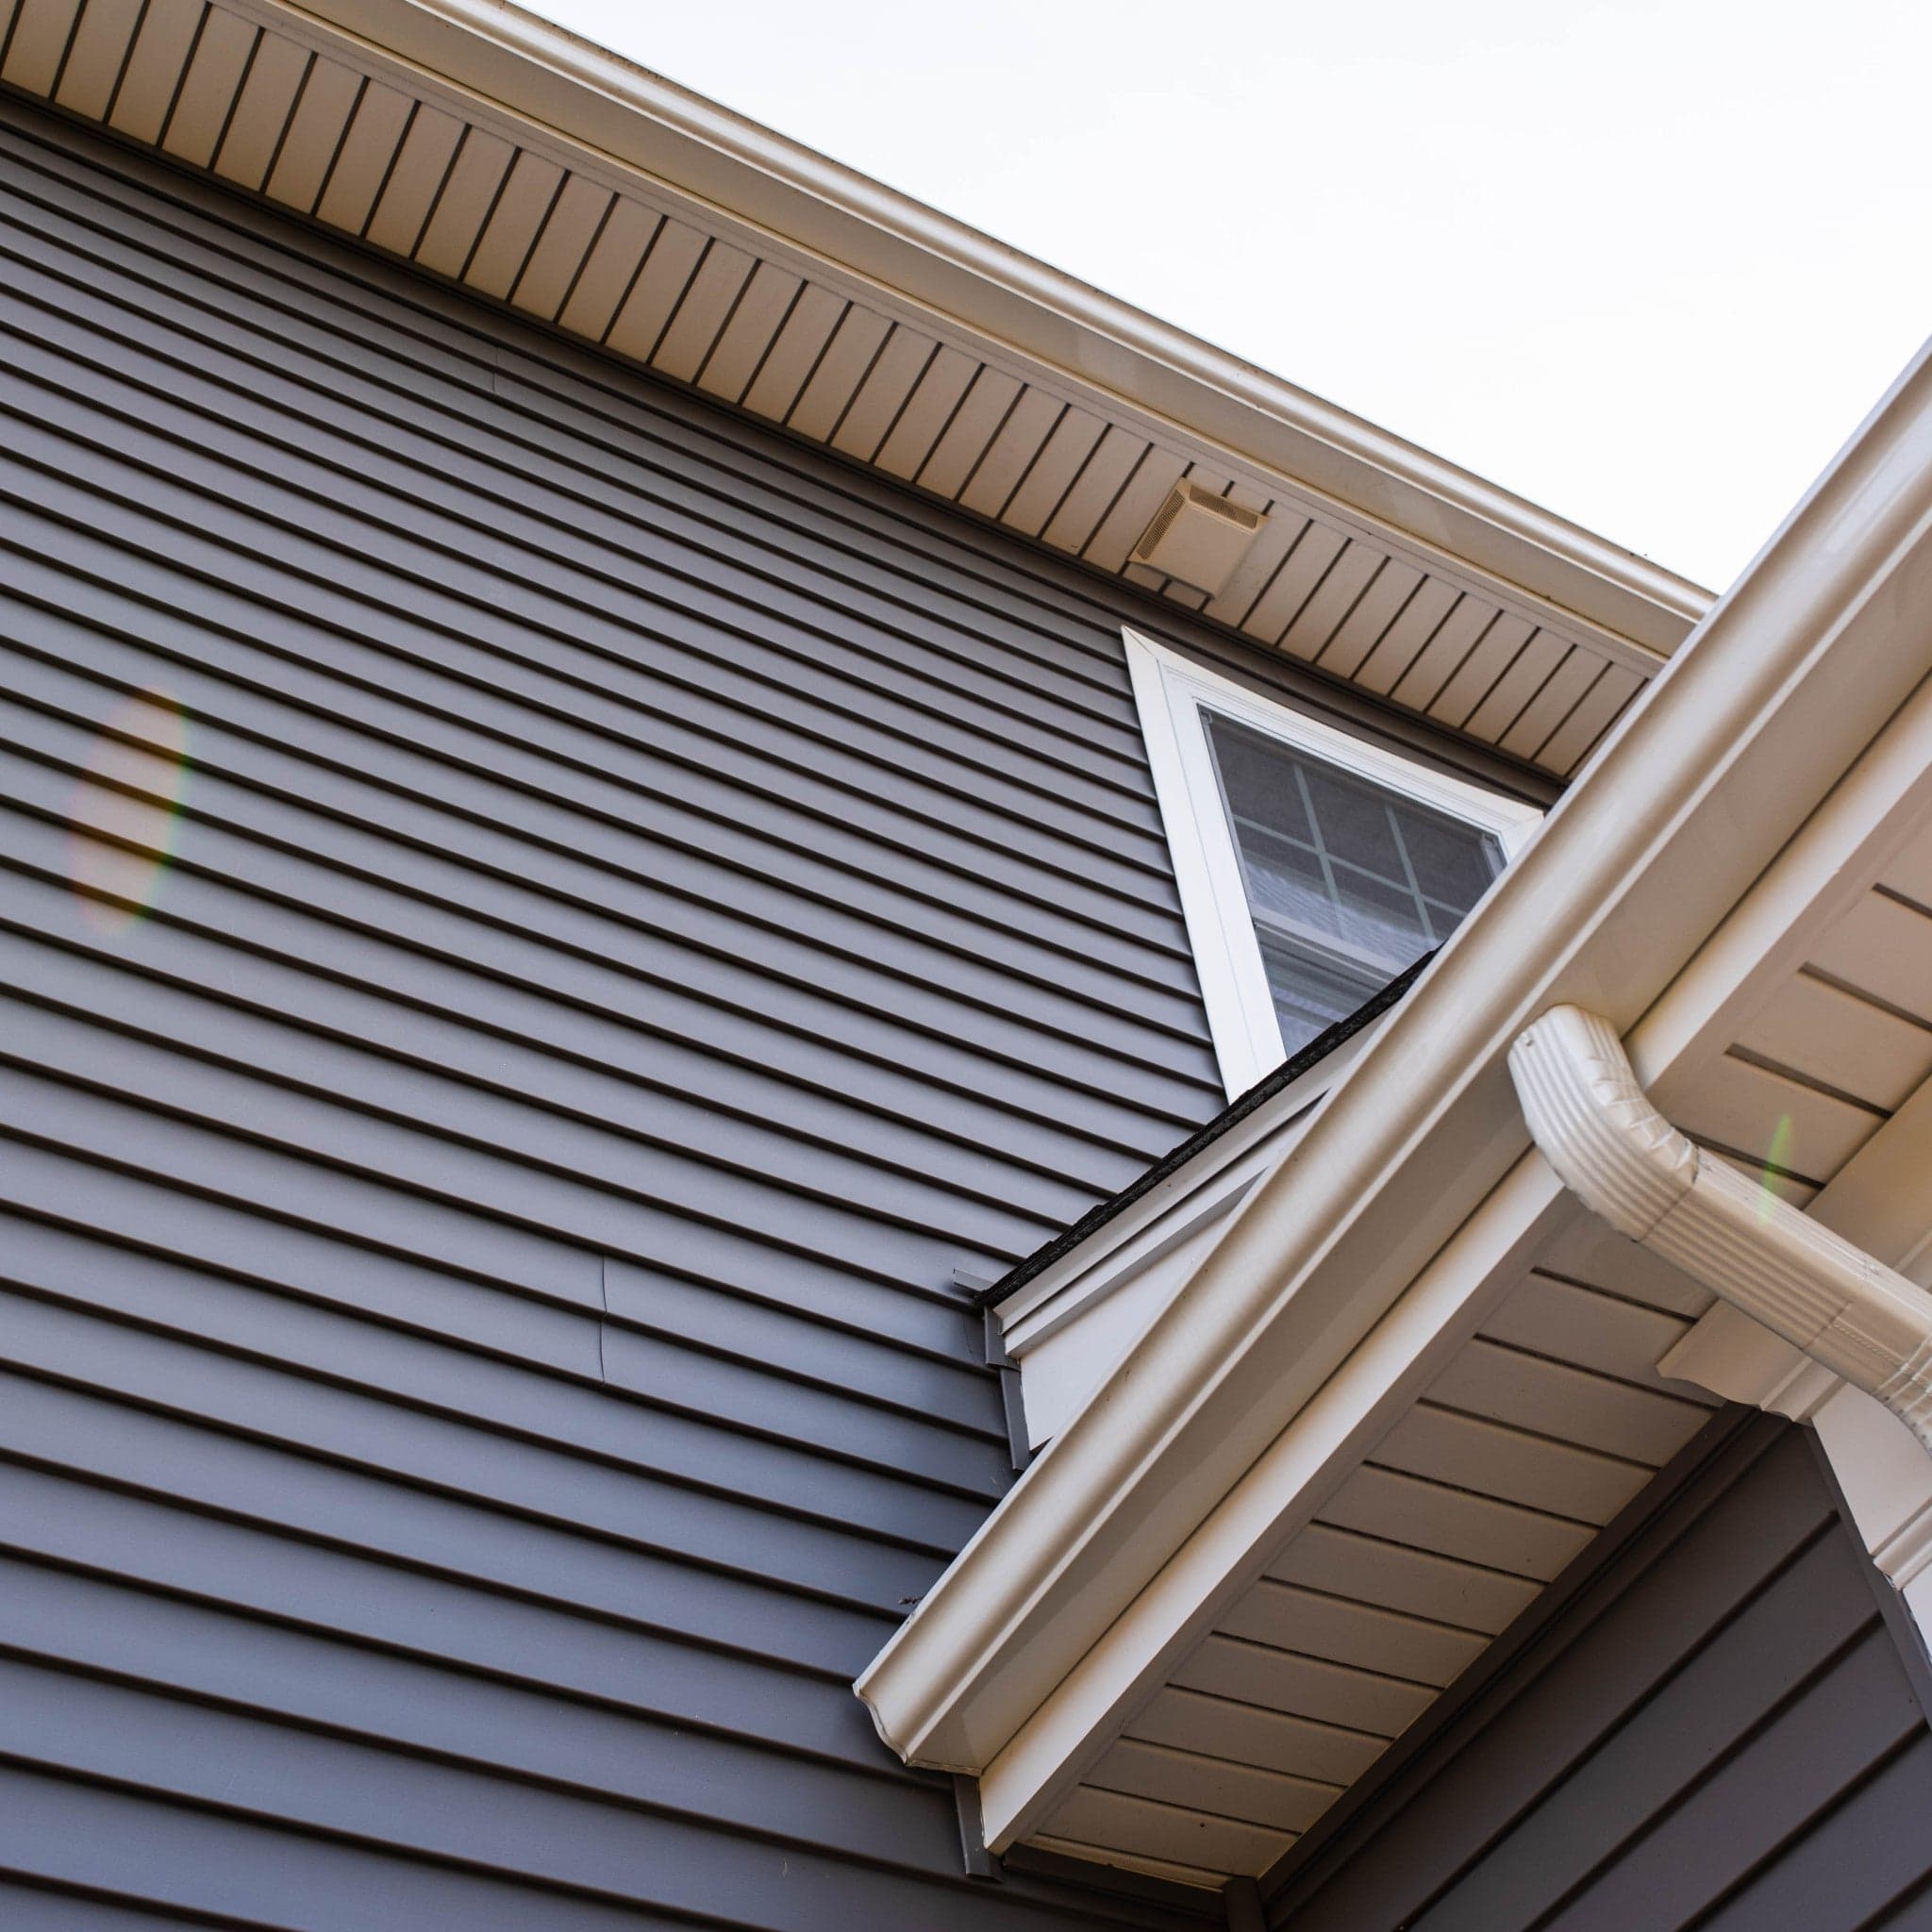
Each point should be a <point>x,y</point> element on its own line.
<point>320,121</point>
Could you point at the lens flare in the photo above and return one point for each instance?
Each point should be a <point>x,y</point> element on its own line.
<point>125,820</point>
<point>1777,1162</point>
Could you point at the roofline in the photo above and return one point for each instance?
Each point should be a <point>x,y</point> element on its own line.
<point>544,75</point>
<point>1792,676</point>
<point>1331,1039</point>
<point>1843,849</point>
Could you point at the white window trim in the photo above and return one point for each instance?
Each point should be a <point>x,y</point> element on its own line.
<point>1169,692</point>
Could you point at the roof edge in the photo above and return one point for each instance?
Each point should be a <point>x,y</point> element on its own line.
<point>542,74</point>
<point>1794,674</point>
<point>1075,1236</point>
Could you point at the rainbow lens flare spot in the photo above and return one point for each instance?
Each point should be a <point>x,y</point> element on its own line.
<point>1777,1162</point>
<point>125,820</point>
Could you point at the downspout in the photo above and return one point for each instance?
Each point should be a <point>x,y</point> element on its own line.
<point>1619,1156</point>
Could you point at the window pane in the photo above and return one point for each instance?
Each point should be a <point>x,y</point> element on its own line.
<point>1354,820</point>
<point>1451,865</point>
<point>1248,772</point>
<point>1347,881</point>
<point>1379,918</point>
<point>1309,996</point>
<point>1284,878</point>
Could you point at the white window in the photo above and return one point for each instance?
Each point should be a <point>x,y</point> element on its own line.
<point>1314,866</point>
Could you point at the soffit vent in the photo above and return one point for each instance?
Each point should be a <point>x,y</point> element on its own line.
<point>1198,537</point>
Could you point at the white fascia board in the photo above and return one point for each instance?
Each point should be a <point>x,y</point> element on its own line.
<point>577,92</point>
<point>1794,673</point>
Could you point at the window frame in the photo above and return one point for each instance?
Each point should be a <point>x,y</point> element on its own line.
<point>1171,691</point>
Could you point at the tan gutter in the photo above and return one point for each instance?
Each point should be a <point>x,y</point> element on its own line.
<point>1735,746</point>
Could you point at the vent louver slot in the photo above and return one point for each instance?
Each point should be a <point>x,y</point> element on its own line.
<point>1198,537</point>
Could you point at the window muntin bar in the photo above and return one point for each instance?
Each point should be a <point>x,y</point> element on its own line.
<point>1347,881</point>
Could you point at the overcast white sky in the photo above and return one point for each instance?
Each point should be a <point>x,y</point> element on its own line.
<point>1646,262</point>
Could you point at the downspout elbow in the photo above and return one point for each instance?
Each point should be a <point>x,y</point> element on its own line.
<point>1596,1126</point>
<point>1610,1146</point>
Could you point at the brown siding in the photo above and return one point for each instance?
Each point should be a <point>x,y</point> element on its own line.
<point>480,1366</point>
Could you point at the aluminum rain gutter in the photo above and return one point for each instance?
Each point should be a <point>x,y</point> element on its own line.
<point>1735,746</point>
<point>1625,1162</point>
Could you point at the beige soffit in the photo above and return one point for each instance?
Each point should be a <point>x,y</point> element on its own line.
<point>493,149</point>
<point>1790,679</point>
<point>1440,1443</point>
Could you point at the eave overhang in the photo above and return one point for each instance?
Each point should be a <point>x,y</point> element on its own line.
<point>1651,897</point>
<point>496,150</point>
<point>552,78</point>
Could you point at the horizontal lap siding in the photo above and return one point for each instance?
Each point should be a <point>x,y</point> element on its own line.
<point>480,1368</point>
<point>1721,1732</point>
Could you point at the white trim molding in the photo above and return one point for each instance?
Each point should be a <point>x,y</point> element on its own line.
<point>1882,1467</point>
<point>1172,692</point>
<point>1067,1326</point>
<point>1887,1480</point>
<point>1732,1356</point>
<point>1877,1199</point>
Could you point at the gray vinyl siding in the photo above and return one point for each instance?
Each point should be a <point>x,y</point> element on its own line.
<point>481,1367</point>
<point>1723,1731</point>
